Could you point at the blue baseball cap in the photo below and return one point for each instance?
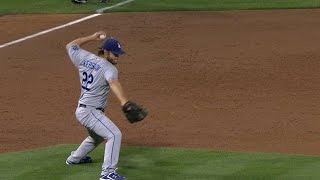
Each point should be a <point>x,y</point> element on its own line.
<point>113,46</point>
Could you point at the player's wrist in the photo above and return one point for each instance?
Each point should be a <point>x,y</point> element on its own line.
<point>124,102</point>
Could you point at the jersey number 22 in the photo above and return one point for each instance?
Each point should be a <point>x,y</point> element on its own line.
<point>87,79</point>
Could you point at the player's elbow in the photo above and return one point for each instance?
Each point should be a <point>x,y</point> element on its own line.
<point>75,42</point>
<point>68,46</point>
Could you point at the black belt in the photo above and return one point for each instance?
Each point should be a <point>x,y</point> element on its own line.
<point>84,106</point>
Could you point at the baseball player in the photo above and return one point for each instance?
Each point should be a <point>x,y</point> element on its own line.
<point>98,75</point>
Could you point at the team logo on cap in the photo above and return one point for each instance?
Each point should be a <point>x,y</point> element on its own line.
<point>119,46</point>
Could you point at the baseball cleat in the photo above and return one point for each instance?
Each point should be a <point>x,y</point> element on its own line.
<point>84,160</point>
<point>79,1</point>
<point>112,176</point>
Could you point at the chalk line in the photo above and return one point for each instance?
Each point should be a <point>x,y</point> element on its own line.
<point>99,12</point>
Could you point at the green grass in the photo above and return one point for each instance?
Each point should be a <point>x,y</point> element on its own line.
<point>209,5</point>
<point>50,6</point>
<point>65,6</point>
<point>139,163</point>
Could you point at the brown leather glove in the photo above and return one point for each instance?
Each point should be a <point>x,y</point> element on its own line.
<point>134,112</point>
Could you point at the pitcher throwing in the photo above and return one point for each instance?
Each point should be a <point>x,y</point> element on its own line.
<point>98,75</point>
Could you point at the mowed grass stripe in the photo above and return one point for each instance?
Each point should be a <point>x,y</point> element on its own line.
<point>141,163</point>
<point>65,6</point>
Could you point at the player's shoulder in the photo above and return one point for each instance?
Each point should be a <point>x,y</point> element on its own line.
<point>73,47</point>
<point>106,64</point>
<point>76,50</point>
<point>108,67</point>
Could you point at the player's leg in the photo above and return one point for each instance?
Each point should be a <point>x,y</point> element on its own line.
<point>85,117</point>
<point>106,129</point>
<point>89,144</point>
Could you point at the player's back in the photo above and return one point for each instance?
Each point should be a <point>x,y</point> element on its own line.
<point>93,72</point>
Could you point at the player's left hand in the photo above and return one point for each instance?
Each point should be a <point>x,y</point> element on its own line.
<point>134,112</point>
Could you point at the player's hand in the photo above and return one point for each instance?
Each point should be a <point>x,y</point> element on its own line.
<point>98,35</point>
<point>134,112</point>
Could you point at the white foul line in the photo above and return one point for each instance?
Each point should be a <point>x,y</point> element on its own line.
<point>65,25</point>
<point>116,5</point>
<point>49,30</point>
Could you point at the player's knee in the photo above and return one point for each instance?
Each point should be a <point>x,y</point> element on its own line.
<point>119,134</point>
<point>90,139</point>
<point>116,135</point>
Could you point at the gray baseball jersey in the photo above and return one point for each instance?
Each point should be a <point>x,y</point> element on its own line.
<point>94,73</point>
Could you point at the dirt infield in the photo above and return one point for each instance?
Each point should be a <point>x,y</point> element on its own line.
<point>240,80</point>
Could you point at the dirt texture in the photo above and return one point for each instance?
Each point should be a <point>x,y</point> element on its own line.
<point>238,80</point>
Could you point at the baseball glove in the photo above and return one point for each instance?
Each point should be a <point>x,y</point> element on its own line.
<point>134,112</point>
